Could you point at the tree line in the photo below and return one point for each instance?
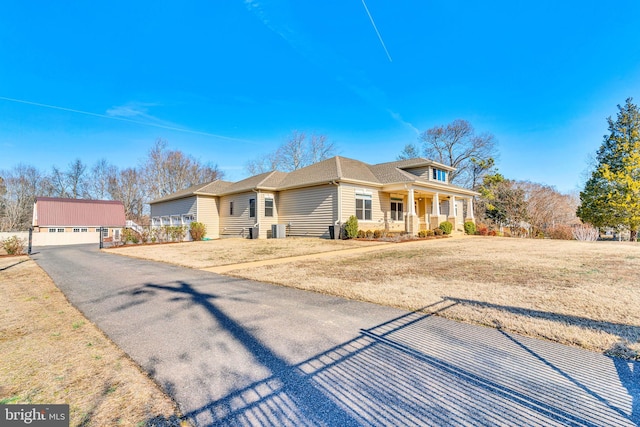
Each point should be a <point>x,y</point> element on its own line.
<point>162,172</point>
<point>611,197</point>
<point>523,208</point>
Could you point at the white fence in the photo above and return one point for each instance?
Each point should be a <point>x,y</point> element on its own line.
<point>49,239</point>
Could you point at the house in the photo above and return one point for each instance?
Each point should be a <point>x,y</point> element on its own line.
<point>406,195</point>
<point>72,221</point>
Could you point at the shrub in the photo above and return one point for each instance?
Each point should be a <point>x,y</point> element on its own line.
<point>470,227</point>
<point>368,234</point>
<point>13,245</point>
<point>178,232</point>
<point>422,233</point>
<point>129,235</point>
<point>446,227</point>
<point>586,233</point>
<point>483,231</point>
<point>351,227</point>
<point>438,232</point>
<point>197,230</point>
<point>561,232</point>
<point>492,233</point>
<point>361,234</point>
<point>377,234</point>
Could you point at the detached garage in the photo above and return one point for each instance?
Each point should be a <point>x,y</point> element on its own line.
<point>60,221</point>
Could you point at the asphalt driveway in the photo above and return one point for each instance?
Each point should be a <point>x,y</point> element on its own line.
<point>233,351</point>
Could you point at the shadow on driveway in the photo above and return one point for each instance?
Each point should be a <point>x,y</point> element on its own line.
<point>391,375</point>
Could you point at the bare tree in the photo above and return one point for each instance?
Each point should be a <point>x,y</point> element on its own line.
<point>128,187</point>
<point>296,152</point>
<point>319,149</point>
<point>547,208</point>
<point>72,182</point>
<point>262,164</point>
<point>410,151</point>
<point>102,173</point>
<point>77,180</point>
<point>57,183</point>
<point>166,171</point>
<point>456,144</point>
<point>20,186</point>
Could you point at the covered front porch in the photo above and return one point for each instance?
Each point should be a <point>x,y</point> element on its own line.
<point>414,209</point>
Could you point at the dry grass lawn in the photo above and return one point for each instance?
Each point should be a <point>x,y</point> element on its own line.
<point>214,253</point>
<point>52,354</point>
<point>578,293</point>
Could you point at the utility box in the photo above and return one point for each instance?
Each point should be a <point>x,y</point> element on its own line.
<point>279,231</point>
<point>254,232</point>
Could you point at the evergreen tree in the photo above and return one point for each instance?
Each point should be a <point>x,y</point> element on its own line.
<point>611,197</point>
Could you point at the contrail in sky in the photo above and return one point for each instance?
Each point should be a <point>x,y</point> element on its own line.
<point>377,32</point>
<point>104,116</point>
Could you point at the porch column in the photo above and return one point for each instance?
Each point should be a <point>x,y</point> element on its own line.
<point>412,202</point>
<point>470,216</point>
<point>452,211</point>
<point>413,223</point>
<point>435,211</point>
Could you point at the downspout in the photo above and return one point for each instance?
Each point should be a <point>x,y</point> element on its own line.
<point>338,222</point>
<point>257,223</point>
<point>339,202</point>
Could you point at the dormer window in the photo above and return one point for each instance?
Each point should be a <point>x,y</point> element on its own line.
<point>439,175</point>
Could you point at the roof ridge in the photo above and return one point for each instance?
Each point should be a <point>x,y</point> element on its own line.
<point>267,176</point>
<point>338,167</point>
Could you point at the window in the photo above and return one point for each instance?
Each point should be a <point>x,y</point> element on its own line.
<point>156,221</point>
<point>439,175</point>
<point>268,207</point>
<point>105,232</point>
<point>60,230</point>
<point>175,220</point>
<point>252,208</point>
<point>396,210</point>
<point>76,230</point>
<point>52,230</point>
<point>116,234</point>
<point>83,230</point>
<point>165,220</point>
<point>188,219</point>
<point>363,207</point>
<point>230,208</point>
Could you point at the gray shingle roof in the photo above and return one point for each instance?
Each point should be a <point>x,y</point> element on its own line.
<point>213,188</point>
<point>334,169</point>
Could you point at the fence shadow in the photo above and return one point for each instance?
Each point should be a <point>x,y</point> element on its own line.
<point>630,333</point>
<point>14,264</point>
<point>394,374</point>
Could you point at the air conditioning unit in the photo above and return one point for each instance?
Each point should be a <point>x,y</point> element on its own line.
<point>279,231</point>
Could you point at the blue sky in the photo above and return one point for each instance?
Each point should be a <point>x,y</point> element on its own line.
<point>227,81</point>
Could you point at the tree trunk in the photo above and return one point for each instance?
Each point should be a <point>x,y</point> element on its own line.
<point>634,235</point>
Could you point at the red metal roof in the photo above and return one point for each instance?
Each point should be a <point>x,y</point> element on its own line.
<point>52,211</point>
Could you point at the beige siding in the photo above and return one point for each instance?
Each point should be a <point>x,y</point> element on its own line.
<point>309,211</point>
<point>208,214</point>
<point>396,225</point>
<point>237,224</point>
<point>175,207</point>
<point>380,206</point>
<point>424,172</point>
<point>460,217</point>
<point>265,221</point>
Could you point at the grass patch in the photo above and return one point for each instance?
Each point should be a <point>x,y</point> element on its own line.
<point>575,293</point>
<point>45,361</point>
<point>215,253</point>
<point>584,294</point>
